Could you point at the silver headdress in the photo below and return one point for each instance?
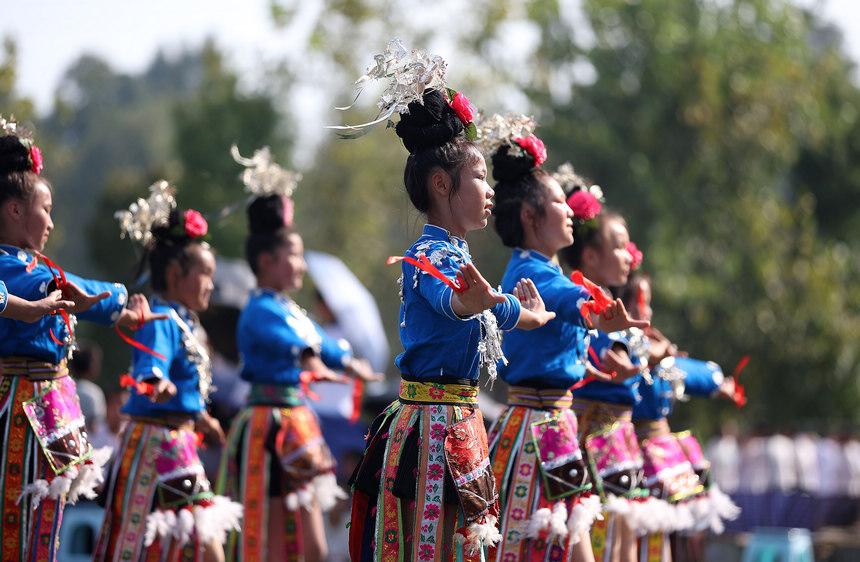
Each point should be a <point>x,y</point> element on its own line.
<point>262,176</point>
<point>137,221</point>
<point>410,74</point>
<point>496,130</point>
<point>570,181</point>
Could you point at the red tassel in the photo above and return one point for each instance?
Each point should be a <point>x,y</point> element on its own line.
<point>599,302</point>
<point>740,397</point>
<point>357,394</point>
<point>141,387</point>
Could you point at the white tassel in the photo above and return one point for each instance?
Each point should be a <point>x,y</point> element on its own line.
<point>620,506</point>
<point>184,526</point>
<point>38,490</point>
<point>482,534</point>
<point>700,507</point>
<point>213,522</point>
<point>538,522</point>
<point>582,517</point>
<point>558,522</point>
<point>327,491</point>
<point>684,519</point>
<point>91,475</point>
<point>722,508</point>
<point>158,524</point>
<point>62,484</point>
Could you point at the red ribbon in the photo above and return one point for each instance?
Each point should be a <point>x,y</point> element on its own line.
<point>137,344</point>
<point>357,393</point>
<point>740,397</point>
<point>599,302</point>
<point>141,387</point>
<point>307,377</point>
<point>62,283</point>
<point>428,267</point>
<point>598,365</point>
<point>198,440</point>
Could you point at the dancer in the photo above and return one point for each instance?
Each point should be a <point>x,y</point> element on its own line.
<point>425,478</point>
<point>675,468</point>
<point>545,498</point>
<point>604,408</point>
<point>276,462</point>
<point>159,503</point>
<point>47,459</point>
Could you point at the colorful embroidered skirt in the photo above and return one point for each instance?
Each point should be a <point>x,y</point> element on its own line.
<point>159,503</point>
<point>426,459</point>
<point>275,450</point>
<point>544,486</point>
<point>667,473</point>
<point>46,458</point>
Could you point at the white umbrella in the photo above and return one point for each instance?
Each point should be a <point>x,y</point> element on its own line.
<point>353,306</point>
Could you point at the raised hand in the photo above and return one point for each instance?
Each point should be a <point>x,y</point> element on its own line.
<point>137,313</point>
<point>619,362</point>
<point>534,313</point>
<point>82,300</point>
<point>31,311</point>
<point>162,390</point>
<point>477,295</point>
<point>614,318</point>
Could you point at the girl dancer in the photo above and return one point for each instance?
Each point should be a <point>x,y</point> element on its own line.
<point>46,458</point>
<point>604,408</point>
<point>425,478</point>
<point>547,509</point>
<point>276,461</point>
<point>159,502</point>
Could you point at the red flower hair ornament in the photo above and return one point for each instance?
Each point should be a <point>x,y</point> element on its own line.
<point>463,109</point>
<point>195,225</point>
<point>534,147</point>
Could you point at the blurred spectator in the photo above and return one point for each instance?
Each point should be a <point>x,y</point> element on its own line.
<point>85,366</point>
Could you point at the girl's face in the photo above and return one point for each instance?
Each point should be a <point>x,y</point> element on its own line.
<point>554,230</point>
<point>470,206</point>
<point>611,263</point>
<point>194,288</point>
<point>36,223</point>
<point>288,265</point>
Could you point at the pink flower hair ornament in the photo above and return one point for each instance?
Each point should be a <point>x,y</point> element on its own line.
<point>584,205</point>
<point>194,224</point>
<point>635,256</point>
<point>534,147</point>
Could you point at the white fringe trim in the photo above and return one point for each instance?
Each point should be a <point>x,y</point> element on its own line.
<point>322,488</point>
<point>480,535</point>
<point>555,520</point>
<point>722,508</point>
<point>207,523</point>
<point>91,475</point>
<point>582,517</point>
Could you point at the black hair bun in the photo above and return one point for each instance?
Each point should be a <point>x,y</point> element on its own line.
<point>267,214</point>
<point>430,124</point>
<point>170,233</point>
<point>507,168</point>
<point>14,156</point>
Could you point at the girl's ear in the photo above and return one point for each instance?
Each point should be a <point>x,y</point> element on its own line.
<point>528,217</point>
<point>13,209</point>
<point>173,274</point>
<point>440,183</point>
<point>590,257</point>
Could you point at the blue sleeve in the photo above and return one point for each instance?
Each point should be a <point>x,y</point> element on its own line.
<point>507,313</point>
<point>335,353</point>
<point>107,311</point>
<point>703,378</point>
<point>565,298</point>
<point>161,336</point>
<point>270,341</point>
<point>433,290</point>
<point>4,297</point>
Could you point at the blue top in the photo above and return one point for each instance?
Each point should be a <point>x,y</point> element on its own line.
<point>272,335</point>
<point>626,392</point>
<point>436,341</point>
<point>175,338</point>
<point>690,376</point>
<point>34,340</point>
<point>553,355</point>
<point>4,297</point>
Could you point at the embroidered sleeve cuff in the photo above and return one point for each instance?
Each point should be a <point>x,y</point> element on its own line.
<point>4,297</point>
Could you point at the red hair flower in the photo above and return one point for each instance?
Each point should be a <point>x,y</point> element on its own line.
<point>35,160</point>
<point>584,205</point>
<point>535,147</point>
<point>195,224</point>
<point>463,108</point>
<point>635,255</point>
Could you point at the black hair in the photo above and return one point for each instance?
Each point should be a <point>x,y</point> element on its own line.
<point>520,183</point>
<point>588,234</point>
<point>17,180</point>
<point>170,244</point>
<point>267,228</point>
<point>431,132</point>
